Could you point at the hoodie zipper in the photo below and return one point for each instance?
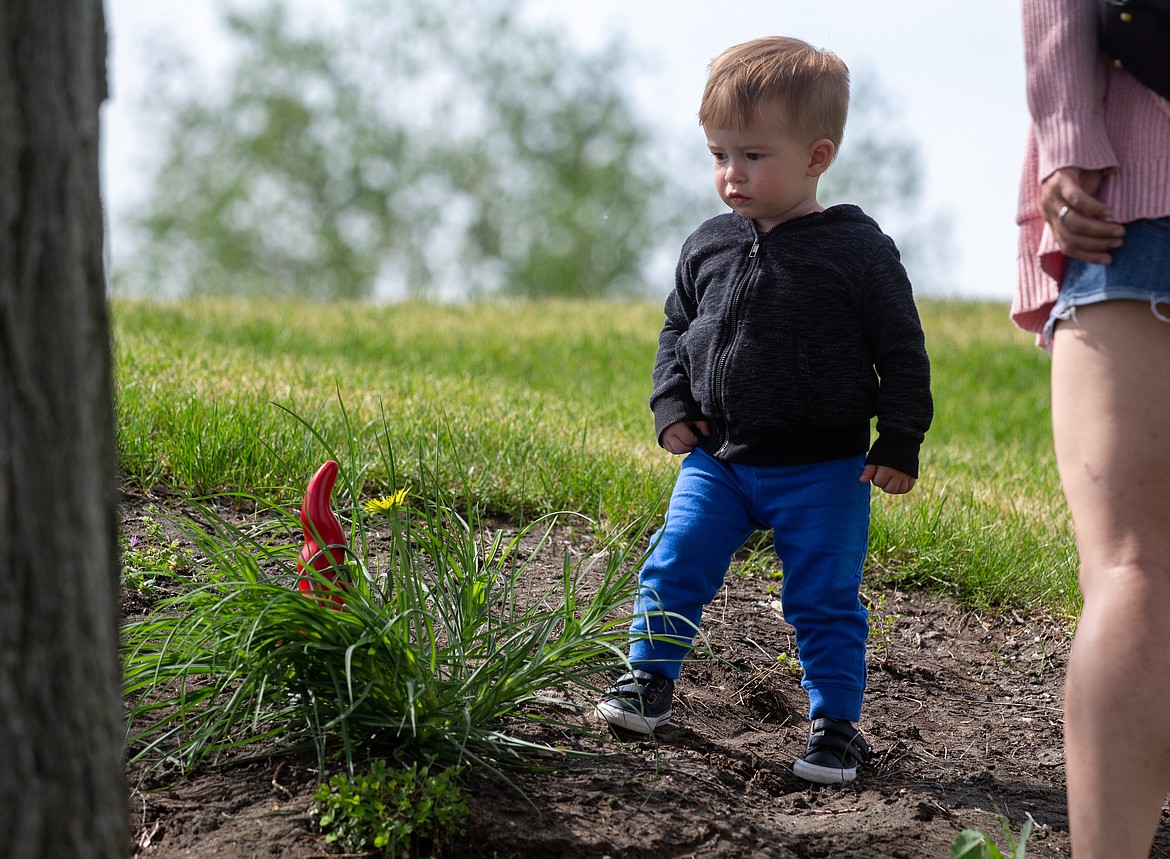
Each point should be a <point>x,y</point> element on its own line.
<point>717,388</point>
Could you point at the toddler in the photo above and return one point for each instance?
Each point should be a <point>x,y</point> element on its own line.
<point>790,326</point>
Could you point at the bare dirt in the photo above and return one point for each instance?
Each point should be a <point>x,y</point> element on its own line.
<point>963,714</point>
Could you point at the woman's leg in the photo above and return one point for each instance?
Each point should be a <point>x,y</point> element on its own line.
<point>1111,422</point>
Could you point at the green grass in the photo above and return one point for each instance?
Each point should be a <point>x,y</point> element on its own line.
<point>976,844</point>
<point>543,405</point>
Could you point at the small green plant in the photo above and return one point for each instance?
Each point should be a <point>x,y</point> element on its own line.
<point>392,811</point>
<point>790,665</point>
<point>881,622</point>
<point>147,559</point>
<point>975,844</point>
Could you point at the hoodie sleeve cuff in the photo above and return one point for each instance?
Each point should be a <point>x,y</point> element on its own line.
<point>894,450</point>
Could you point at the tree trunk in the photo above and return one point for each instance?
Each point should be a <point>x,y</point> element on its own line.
<point>62,790</point>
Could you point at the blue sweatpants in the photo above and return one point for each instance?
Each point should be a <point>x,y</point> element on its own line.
<point>819,514</point>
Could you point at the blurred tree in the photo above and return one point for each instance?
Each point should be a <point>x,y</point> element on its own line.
<point>399,150</point>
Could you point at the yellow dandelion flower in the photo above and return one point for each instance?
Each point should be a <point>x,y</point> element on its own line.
<point>386,504</point>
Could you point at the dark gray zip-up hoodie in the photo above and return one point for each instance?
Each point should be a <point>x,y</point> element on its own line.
<point>789,342</point>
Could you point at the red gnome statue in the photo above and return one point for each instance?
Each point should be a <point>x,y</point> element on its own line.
<point>325,547</point>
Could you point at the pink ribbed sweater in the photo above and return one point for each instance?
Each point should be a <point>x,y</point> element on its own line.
<point>1085,113</point>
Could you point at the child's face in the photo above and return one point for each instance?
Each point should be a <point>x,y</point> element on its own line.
<point>765,172</point>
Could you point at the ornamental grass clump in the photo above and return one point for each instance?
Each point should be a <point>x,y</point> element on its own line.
<point>443,637</point>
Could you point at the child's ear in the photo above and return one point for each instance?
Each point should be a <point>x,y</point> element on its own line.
<point>820,156</point>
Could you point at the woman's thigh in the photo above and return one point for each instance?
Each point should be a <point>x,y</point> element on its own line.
<point>1111,425</point>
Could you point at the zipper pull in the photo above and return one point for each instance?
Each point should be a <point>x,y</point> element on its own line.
<point>755,247</point>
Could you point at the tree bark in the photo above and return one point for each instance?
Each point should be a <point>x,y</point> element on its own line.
<point>62,789</point>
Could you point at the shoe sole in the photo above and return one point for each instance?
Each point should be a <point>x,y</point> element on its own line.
<point>619,717</point>
<point>824,775</point>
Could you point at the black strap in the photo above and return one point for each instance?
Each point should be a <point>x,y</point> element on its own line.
<point>839,735</point>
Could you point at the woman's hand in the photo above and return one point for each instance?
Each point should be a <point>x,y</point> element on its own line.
<point>1077,218</point>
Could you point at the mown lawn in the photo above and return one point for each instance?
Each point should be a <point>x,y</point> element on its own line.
<point>522,409</point>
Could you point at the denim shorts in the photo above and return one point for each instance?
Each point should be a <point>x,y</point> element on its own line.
<point>1140,272</point>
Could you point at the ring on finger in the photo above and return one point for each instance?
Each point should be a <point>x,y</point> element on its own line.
<point>1064,210</point>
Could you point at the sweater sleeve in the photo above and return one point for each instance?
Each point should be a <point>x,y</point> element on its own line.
<point>1066,85</point>
<point>1085,113</point>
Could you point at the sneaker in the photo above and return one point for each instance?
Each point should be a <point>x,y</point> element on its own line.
<point>638,701</point>
<point>835,748</point>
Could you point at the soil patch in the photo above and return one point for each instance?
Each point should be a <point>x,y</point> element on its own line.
<point>963,714</point>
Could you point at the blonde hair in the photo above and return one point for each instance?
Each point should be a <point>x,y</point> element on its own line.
<point>810,85</point>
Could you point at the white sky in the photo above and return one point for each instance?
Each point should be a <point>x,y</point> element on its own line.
<point>953,71</point>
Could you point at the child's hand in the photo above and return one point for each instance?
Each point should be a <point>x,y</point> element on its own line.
<point>888,479</point>
<point>683,437</point>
